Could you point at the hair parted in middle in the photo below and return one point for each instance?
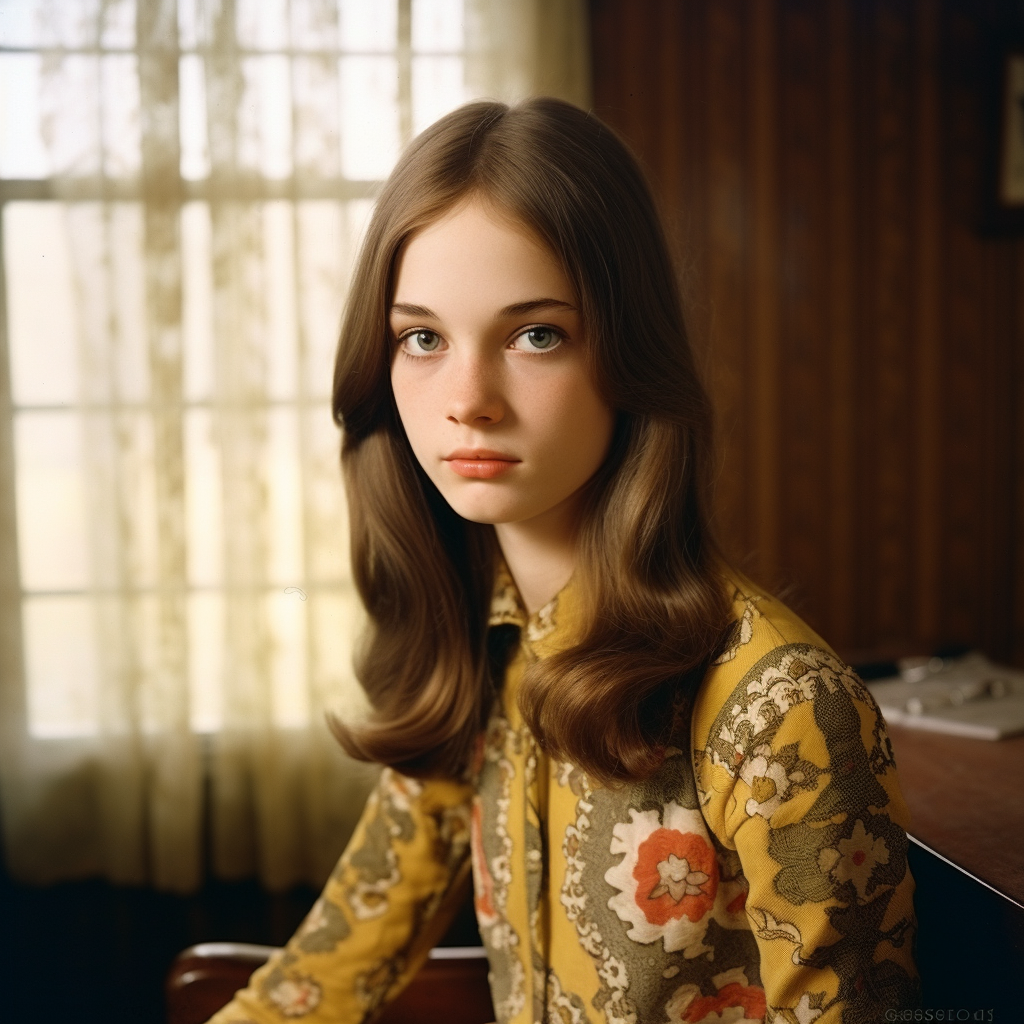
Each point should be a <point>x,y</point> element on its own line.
<point>655,605</point>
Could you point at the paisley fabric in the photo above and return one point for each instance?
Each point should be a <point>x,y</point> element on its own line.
<point>759,875</point>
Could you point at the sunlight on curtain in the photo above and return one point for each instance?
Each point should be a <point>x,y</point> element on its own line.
<point>185,188</point>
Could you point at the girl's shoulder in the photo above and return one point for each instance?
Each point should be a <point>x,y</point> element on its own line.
<point>761,624</point>
<point>772,663</point>
<point>783,730</point>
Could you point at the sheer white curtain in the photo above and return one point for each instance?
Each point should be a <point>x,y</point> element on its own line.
<point>184,184</point>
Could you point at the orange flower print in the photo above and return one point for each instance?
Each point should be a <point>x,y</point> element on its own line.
<point>736,1001</point>
<point>668,881</point>
<point>483,883</point>
<point>676,874</point>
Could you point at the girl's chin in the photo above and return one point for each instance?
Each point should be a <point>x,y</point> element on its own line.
<point>493,505</point>
<point>489,513</point>
<point>487,518</point>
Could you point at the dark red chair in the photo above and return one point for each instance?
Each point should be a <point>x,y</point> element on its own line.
<point>451,988</point>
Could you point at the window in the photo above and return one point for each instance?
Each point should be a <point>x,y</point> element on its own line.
<point>183,190</point>
<point>183,185</point>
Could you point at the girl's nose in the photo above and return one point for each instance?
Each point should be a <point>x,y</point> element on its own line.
<point>475,396</point>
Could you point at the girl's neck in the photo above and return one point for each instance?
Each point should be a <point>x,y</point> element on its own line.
<point>540,553</point>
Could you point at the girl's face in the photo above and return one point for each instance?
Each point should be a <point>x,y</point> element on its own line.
<point>489,372</point>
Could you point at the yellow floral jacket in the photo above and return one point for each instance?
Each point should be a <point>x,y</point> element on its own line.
<point>759,875</point>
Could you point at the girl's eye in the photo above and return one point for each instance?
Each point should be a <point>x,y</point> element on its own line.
<point>538,339</point>
<point>420,342</point>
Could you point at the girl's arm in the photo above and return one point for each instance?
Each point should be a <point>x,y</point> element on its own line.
<point>392,896</point>
<point>796,774</point>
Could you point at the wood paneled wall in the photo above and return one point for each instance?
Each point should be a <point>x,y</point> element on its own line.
<point>819,164</point>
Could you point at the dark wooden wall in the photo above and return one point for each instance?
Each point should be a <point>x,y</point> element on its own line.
<point>819,164</point>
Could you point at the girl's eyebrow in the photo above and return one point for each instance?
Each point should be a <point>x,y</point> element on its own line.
<point>534,306</point>
<point>408,309</point>
<point>516,309</point>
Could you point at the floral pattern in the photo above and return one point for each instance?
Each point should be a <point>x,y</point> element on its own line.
<point>735,1000</point>
<point>493,851</point>
<point>743,631</point>
<point>506,609</point>
<point>375,861</point>
<point>611,970</point>
<point>767,927</point>
<point>483,882</point>
<point>295,997</point>
<point>325,926</point>
<point>561,1006</point>
<point>775,778</point>
<point>668,878</point>
<point>543,623</point>
<point>843,852</point>
<point>769,835</point>
<point>855,858</point>
<point>807,1011</point>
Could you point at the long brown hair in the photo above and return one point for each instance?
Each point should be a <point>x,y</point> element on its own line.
<point>655,608</point>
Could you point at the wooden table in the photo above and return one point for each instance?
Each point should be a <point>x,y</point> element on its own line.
<point>966,800</point>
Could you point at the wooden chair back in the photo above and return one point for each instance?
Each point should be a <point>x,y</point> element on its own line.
<point>451,988</point>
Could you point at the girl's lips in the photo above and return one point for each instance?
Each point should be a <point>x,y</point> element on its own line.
<point>481,469</point>
<point>480,463</point>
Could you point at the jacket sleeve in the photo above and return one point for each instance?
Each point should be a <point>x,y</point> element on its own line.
<point>390,898</point>
<point>797,776</point>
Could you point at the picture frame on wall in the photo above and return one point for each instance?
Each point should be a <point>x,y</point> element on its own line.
<point>1004,188</point>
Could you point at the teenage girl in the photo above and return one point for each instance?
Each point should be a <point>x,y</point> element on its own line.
<point>672,800</point>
